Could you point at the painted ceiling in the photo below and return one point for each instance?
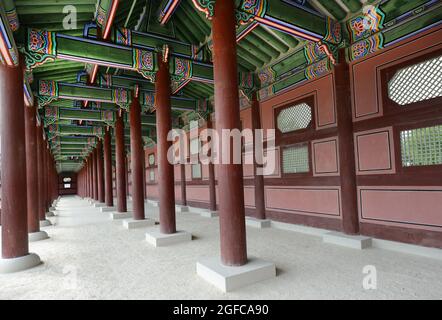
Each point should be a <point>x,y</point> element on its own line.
<point>82,71</point>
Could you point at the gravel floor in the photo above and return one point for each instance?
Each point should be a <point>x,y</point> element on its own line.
<point>92,257</point>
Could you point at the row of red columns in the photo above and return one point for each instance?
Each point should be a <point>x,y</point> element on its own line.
<point>29,179</point>
<point>17,205</point>
<point>95,178</point>
<point>231,203</point>
<point>230,176</point>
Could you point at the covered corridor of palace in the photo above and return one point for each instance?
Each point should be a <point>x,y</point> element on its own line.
<point>114,117</point>
<point>76,268</point>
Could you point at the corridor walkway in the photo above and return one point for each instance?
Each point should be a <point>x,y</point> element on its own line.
<point>92,257</point>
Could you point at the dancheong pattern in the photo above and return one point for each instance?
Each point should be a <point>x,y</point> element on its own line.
<point>13,19</point>
<point>363,25</point>
<point>366,46</point>
<point>48,88</point>
<point>42,42</point>
<point>250,9</point>
<point>317,69</point>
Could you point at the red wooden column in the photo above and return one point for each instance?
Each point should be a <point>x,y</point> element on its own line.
<point>83,184</point>
<point>137,159</point>
<point>40,162</point>
<point>88,189</point>
<point>94,174</point>
<point>128,182</point>
<point>54,179</point>
<point>120,153</point>
<point>48,178</point>
<point>100,171</point>
<point>259,179</point>
<point>32,170</point>
<point>45,178</point>
<point>230,176</point>
<point>183,184</point>
<point>212,183</point>
<point>51,179</point>
<point>109,197</point>
<point>350,220</point>
<point>165,168</point>
<point>85,180</point>
<point>13,164</point>
<point>91,187</point>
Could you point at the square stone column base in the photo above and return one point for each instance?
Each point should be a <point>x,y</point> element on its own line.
<point>258,223</point>
<point>50,214</point>
<point>37,236</point>
<point>158,239</point>
<point>228,278</point>
<point>208,213</point>
<point>120,215</point>
<point>340,239</point>
<point>99,204</point>
<point>180,208</point>
<point>153,203</point>
<point>19,264</point>
<point>135,224</point>
<point>108,209</point>
<point>45,223</point>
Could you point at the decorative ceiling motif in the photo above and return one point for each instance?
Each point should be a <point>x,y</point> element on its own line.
<point>280,44</point>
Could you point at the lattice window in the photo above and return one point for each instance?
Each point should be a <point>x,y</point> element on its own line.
<point>151,159</point>
<point>295,159</point>
<point>152,175</point>
<point>294,118</point>
<point>421,147</point>
<point>416,83</point>
<point>196,171</point>
<point>194,146</point>
<point>194,124</point>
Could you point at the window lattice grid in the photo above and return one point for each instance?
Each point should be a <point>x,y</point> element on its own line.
<point>296,159</point>
<point>421,147</point>
<point>194,146</point>
<point>294,118</point>
<point>417,83</point>
<point>152,175</point>
<point>151,159</point>
<point>196,171</point>
<point>193,124</point>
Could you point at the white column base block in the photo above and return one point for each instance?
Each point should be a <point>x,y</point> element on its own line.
<point>258,223</point>
<point>158,239</point>
<point>208,214</point>
<point>38,236</point>
<point>180,208</point>
<point>108,209</point>
<point>50,214</point>
<point>153,203</point>
<point>19,264</point>
<point>340,239</point>
<point>120,215</point>
<point>136,224</point>
<point>228,278</point>
<point>45,223</point>
<point>99,205</point>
